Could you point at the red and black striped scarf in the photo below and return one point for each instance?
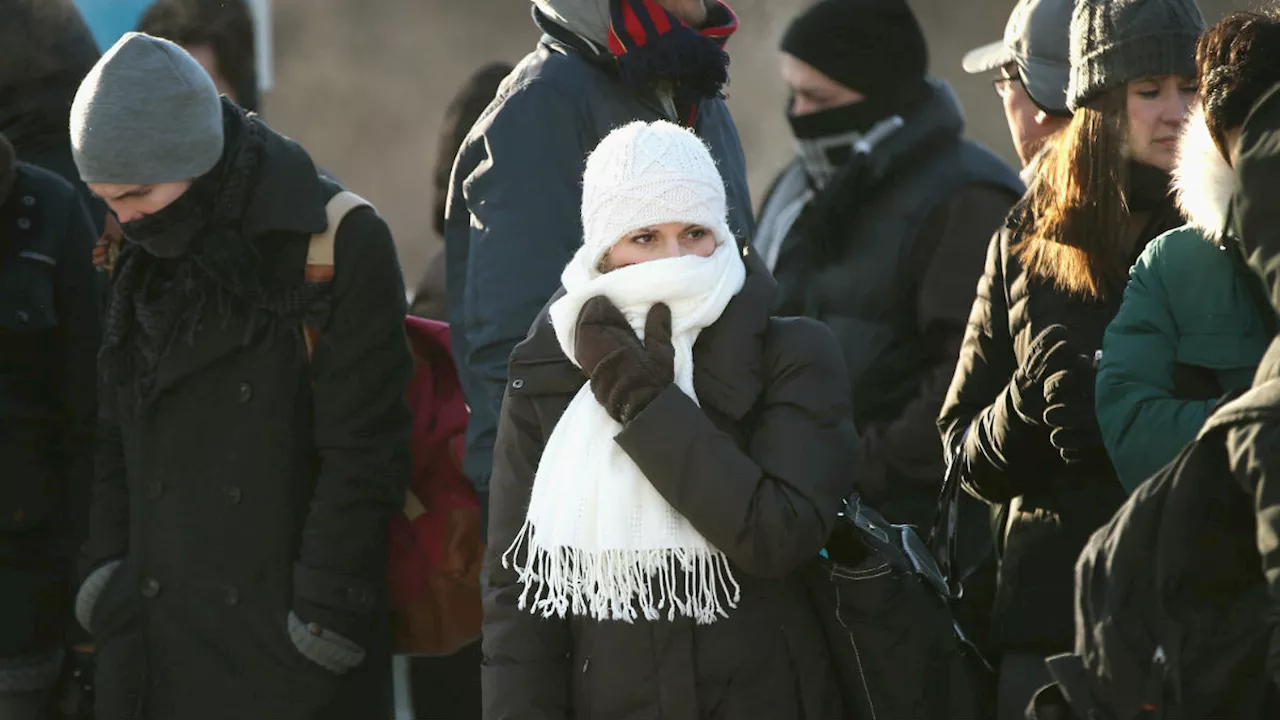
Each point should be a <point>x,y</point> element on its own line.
<point>652,46</point>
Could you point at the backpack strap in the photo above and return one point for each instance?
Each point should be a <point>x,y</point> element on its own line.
<point>320,252</point>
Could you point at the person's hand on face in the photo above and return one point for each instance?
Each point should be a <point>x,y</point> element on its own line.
<point>659,242</point>
<point>1157,107</point>
<point>625,373</point>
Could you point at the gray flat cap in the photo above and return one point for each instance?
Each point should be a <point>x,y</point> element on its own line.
<point>1037,39</point>
<point>146,113</point>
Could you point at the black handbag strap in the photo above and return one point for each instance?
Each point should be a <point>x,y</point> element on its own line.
<point>942,538</point>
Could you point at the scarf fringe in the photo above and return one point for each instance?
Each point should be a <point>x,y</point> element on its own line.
<point>622,584</point>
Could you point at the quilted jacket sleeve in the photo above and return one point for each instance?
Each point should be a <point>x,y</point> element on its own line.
<point>997,451</point>
<point>1143,423</point>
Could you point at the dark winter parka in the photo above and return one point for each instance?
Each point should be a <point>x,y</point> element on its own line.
<point>251,482</point>
<point>1052,507</point>
<point>49,324</point>
<point>888,256</point>
<point>516,198</point>
<point>759,470</point>
<point>1254,449</point>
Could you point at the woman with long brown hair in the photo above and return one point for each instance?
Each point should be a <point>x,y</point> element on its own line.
<point>1019,418</point>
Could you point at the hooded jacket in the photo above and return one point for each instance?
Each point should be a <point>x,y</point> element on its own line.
<point>513,218</point>
<point>1193,324</point>
<point>1254,449</point>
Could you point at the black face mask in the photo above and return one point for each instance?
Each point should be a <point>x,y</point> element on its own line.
<point>169,232</point>
<point>857,117</point>
<point>828,139</point>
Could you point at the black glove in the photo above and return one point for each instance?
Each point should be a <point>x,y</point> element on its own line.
<point>1049,354</point>
<point>1072,414</point>
<point>626,375</point>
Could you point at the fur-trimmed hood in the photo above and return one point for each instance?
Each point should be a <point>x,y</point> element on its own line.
<point>1203,181</point>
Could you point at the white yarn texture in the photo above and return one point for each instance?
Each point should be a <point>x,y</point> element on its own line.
<point>598,539</point>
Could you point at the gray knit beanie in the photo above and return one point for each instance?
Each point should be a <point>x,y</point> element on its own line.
<point>147,113</point>
<point>1116,41</point>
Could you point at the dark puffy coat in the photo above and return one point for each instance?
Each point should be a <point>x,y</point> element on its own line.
<point>49,325</point>
<point>514,215</point>
<point>253,480</point>
<point>1052,507</point>
<point>759,470</point>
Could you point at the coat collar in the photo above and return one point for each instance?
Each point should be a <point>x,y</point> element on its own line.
<point>729,370</point>
<point>1202,180</point>
<point>289,196</point>
<point>939,117</point>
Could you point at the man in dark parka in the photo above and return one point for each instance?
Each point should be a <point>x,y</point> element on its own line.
<point>878,228</point>
<point>49,324</point>
<point>1254,448</point>
<point>236,566</point>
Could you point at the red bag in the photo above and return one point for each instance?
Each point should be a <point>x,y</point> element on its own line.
<point>436,547</point>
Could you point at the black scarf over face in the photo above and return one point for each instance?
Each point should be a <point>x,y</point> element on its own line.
<point>169,232</point>
<point>189,254</point>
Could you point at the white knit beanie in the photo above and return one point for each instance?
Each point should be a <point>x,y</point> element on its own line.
<point>644,174</point>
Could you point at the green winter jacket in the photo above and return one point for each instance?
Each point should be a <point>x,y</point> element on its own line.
<point>1190,329</point>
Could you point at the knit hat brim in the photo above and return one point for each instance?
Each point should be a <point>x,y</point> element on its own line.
<point>1132,59</point>
<point>147,113</point>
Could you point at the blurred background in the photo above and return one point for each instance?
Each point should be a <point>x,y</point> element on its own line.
<point>363,84</point>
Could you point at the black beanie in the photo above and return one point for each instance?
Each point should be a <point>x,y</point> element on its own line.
<point>873,46</point>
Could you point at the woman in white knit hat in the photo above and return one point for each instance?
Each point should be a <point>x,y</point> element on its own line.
<point>668,458</point>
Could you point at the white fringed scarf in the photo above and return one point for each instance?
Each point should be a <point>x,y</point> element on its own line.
<point>599,540</point>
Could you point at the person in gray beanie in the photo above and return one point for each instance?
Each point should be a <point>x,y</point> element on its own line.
<point>253,437</point>
<point>1020,418</point>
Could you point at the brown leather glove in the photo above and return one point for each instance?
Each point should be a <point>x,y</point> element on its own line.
<point>626,375</point>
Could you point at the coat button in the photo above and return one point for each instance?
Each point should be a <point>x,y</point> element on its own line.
<point>246,392</point>
<point>517,383</point>
<point>28,200</point>
<point>231,595</point>
<point>155,489</point>
<point>232,494</point>
<point>24,224</point>
<point>150,587</point>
